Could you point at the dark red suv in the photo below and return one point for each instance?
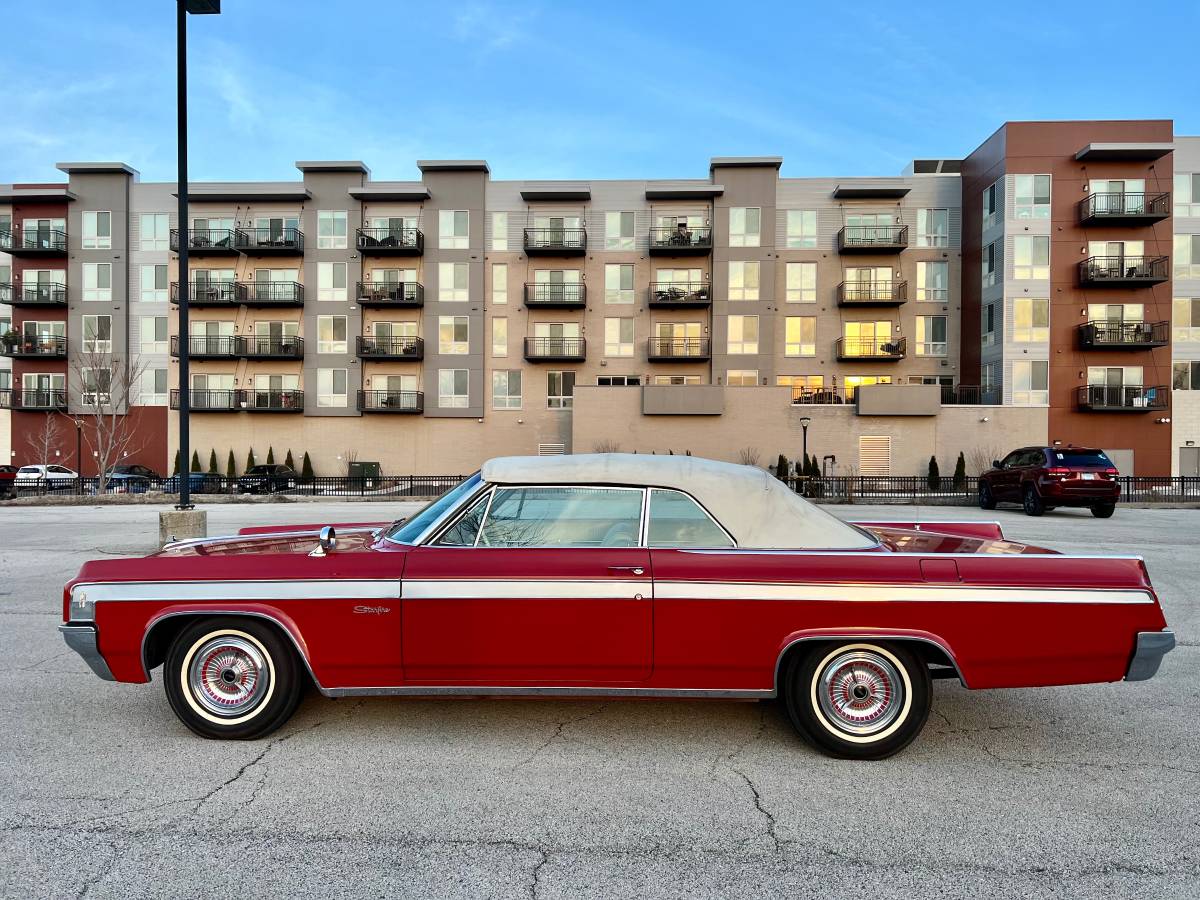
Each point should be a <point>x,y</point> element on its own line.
<point>1041,478</point>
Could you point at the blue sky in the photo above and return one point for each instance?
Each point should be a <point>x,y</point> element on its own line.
<point>573,90</point>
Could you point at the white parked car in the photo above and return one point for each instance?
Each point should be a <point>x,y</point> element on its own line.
<point>44,477</point>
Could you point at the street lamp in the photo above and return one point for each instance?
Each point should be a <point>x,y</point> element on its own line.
<point>79,446</point>
<point>805,421</point>
<point>183,8</point>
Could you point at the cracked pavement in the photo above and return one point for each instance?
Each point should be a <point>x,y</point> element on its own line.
<point>1089,791</point>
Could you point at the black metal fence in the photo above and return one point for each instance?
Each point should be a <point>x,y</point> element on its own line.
<point>947,492</point>
<point>382,487</point>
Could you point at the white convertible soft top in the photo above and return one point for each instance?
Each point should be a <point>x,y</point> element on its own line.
<point>755,507</point>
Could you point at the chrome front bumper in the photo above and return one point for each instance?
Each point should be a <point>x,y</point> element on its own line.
<point>1151,647</point>
<point>83,640</point>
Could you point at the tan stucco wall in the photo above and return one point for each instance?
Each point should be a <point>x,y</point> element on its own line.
<point>1185,423</point>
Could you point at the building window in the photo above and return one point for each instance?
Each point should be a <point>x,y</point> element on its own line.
<point>991,208</point>
<point>500,337</point>
<point>1186,202</point>
<point>741,378</point>
<point>618,283</point>
<point>933,281</point>
<point>499,231</point>
<point>1185,315</point>
<point>331,281</point>
<point>331,229</point>
<point>745,226</point>
<point>677,379</point>
<point>154,334</point>
<point>97,387</point>
<point>743,280</point>
<point>453,335</point>
<point>560,390</point>
<point>1031,196</point>
<point>987,323</point>
<point>331,334</point>
<point>97,334</point>
<point>743,335</point>
<point>1031,320</point>
<point>452,282</point>
<point>618,380</point>
<point>154,230</point>
<point>500,283</point>
<point>331,387</point>
<point>97,282</point>
<point>801,282</point>
<point>1185,376</point>
<point>988,381</point>
<point>800,337</point>
<point>152,389</point>
<point>801,228</point>
<point>154,284</point>
<point>618,337</point>
<point>453,229</point>
<point>506,389</point>
<point>931,335</point>
<point>618,231</point>
<point>933,228</point>
<point>1031,382</point>
<point>1187,256</point>
<point>1031,257</point>
<point>453,388</point>
<point>991,254</point>
<point>97,231</point>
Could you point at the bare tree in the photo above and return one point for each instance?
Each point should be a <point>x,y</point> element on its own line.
<point>608,445</point>
<point>979,459</point>
<point>46,443</point>
<point>106,383</point>
<point>351,458</point>
<point>749,456</point>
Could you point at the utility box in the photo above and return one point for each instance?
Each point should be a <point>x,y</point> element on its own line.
<point>367,473</point>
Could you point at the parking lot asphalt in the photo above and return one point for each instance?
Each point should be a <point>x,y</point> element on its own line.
<point>1076,792</point>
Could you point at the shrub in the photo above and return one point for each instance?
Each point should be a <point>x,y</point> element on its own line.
<point>270,456</point>
<point>230,467</point>
<point>195,461</point>
<point>212,462</point>
<point>289,462</point>
<point>781,468</point>
<point>306,469</point>
<point>960,472</point>
<point>175,470</point>
<point>250,463</point>
<point>935,477</point>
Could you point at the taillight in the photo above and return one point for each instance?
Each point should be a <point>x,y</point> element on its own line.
<point>1111,472</point>
<point>1058,472</point>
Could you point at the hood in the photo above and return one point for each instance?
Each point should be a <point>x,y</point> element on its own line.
<point>297,542</point>
<point>924,540</point>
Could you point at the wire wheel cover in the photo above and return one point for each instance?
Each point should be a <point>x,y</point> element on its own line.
<point>860,692</point>
<point>228,676</point>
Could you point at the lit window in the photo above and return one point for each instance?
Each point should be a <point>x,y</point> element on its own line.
<point>743,280</point>
<point>1031,257</point>
<point>500,337</point>
<point>1185,315</point>
<point>931,336</point>
<point>331,334</point>
<point>741,377</point>
<point>933,281</point>
<point>1031,382</point>
<point>800,338</point>
<point>1031,320</point>
<point>499,283</point>
<point>743,335</point>
<point>801,282</point>
<point>1187,256</point>
<point>618,337</point>
<point>745,225</point>
<point>453,335</point>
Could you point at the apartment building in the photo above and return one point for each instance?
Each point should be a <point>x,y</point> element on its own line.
<point>1019,295</point>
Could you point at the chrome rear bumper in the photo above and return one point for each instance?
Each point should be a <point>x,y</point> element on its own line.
<point>83,640</point>
<point>1151,647</point>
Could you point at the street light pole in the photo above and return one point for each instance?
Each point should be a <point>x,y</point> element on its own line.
<point>805,421</point>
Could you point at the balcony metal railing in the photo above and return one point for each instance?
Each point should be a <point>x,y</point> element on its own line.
<point>1131,207</point>
<point>969,395</point>
<point>207,347</point>
<point>391,401</point>
<point>37,399</point>
<point>1125,271</point>
<point>204,400</point>
<point>678,349</point>
<point>273,401</point>
<point>875,293</point>
<point>391,293</point>
<point>255,346</point>
<point>891,348</point>
<point>872,238</point>
<point>34,347</point>
<point>392,347</point>
<point>208,241</point>
<point>556,241</point>
<point>270,241</point>
<point>1121,398</point>
<point>21,241</point>
<point>271,293</point>
<point>390,241</point>
<point>680,295</point>
<point>1118,334</point>
<point>560,294</point>
<point>552,348</point>
<point>681,241</point>
<point>209,293</point>
<point>40,293</point>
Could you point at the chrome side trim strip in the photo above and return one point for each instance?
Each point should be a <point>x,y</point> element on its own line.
<point>816,591</point>
<point>527,590</point>
<point>485,691</point>
<point>888,554</point>
<point>83,639</point>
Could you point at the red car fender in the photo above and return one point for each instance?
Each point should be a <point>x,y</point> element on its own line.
<point>866,634</point>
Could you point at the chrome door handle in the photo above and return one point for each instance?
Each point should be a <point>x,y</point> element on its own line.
<point>636,570</point>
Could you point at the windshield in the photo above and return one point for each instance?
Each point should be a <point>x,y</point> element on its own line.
<point>1077,458</point>
<point>406,531</point>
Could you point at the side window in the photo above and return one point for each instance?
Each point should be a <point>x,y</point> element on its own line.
<point>563,517</point>
<point>1012,460</point>
<point>464,531</point>
<point>676,520</point>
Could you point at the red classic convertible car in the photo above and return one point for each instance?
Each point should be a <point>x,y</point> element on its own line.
<point>615,575</point>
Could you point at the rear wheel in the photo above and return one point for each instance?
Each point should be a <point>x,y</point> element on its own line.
<point>858,700</point>
<point>986,500</point>
<point>1104,510</point>
<point>233,678</point>
<point>1032,502</point>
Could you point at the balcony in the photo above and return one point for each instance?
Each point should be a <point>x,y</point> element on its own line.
<point>391,294</point>
<point>876,349</point>
<point>391,401</point>
<point>546,349</point>
<point>271,293</point>
<point>253,346</point>
<point>1128,398</point>
<point>201,347</point>
<point>209,401</point>
<point>208,242</point>
<point>969,395</point>
<point>555,241</point>
<point>1117,334</point>
<point>33,242</point>
<point>557,295</point>
<point>34,400</point>
<point>209,293</point>
<point>270,241</point>
<point>34,347</point>
<point>678,349</point>
<point>680,295</point>
<point>41,293</point>
<point>391,348</point>
<point>872,238</point>
<point>1124,209</point>
<point>1123,271</point>
<point>272,401</point>
<point>390,241</point>
<point>876,293</point>
<point>680,241</point>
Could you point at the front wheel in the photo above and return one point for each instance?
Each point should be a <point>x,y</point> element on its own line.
<point>858,700</point>
<point>1104,510</point>
<point>1032,502</point>
<point>233,678</point>
<point>986,499</point>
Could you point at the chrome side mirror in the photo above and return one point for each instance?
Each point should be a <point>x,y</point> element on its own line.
<point>326,541</point>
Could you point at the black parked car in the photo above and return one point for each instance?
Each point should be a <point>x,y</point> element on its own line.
<point>198,483</point>
<point>132,479</point>
<point>267,479</point>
